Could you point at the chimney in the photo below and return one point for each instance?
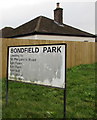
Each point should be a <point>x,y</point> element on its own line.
<point>58,14</point>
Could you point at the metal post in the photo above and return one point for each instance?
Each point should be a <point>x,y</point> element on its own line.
<point>65,103</point>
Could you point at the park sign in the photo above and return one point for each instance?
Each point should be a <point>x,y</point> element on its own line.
<point>38,64</point>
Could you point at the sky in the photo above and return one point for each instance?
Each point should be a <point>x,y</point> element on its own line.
<point>79,14</point>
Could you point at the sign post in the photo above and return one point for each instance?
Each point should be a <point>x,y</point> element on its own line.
<point>38,64</point>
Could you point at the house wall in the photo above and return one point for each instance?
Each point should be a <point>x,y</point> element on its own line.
<point>63,38</point>
<point>77,52</point>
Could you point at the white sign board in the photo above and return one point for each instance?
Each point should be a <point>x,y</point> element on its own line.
<point>39,64</point>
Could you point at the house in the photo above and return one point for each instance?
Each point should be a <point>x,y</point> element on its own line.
<point>43,28</point>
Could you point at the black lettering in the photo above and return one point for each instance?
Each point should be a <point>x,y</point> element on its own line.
<point>25,50</point>
<point>36,50</point>
<point>44,49</point>
<point>59,49</point>
<point>54,49</point>
<point>49,49</point>
<point>11,50</point>
<point>29,50</point>
<point>21,50</point>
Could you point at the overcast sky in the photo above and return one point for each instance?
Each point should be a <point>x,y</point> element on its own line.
<point>80,14</point>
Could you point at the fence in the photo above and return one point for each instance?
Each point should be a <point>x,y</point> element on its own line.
<point>77,52</point>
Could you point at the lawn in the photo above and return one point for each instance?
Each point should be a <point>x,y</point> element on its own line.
<point>34,101</point>
<point>81,90</point>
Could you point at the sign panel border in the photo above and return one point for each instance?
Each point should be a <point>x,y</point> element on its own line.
<point>36,83</point>
<point>39,45</point>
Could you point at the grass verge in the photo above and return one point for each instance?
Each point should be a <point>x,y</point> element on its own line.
<point>34,101</point>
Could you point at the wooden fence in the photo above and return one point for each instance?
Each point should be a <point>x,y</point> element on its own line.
<point>77,52</point>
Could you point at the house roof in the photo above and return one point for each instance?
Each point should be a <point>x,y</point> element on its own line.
<point>43,25</point>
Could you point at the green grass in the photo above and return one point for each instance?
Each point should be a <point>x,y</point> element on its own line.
<point>81,92</point>
<point>34,101</point>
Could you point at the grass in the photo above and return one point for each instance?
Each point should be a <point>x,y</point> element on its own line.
<point>34,101</point>
<point>81,92</point>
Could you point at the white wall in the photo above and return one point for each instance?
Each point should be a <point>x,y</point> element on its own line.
<point>53,37</point>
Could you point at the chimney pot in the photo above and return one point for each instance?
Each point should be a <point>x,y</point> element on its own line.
<point>58,5</point>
